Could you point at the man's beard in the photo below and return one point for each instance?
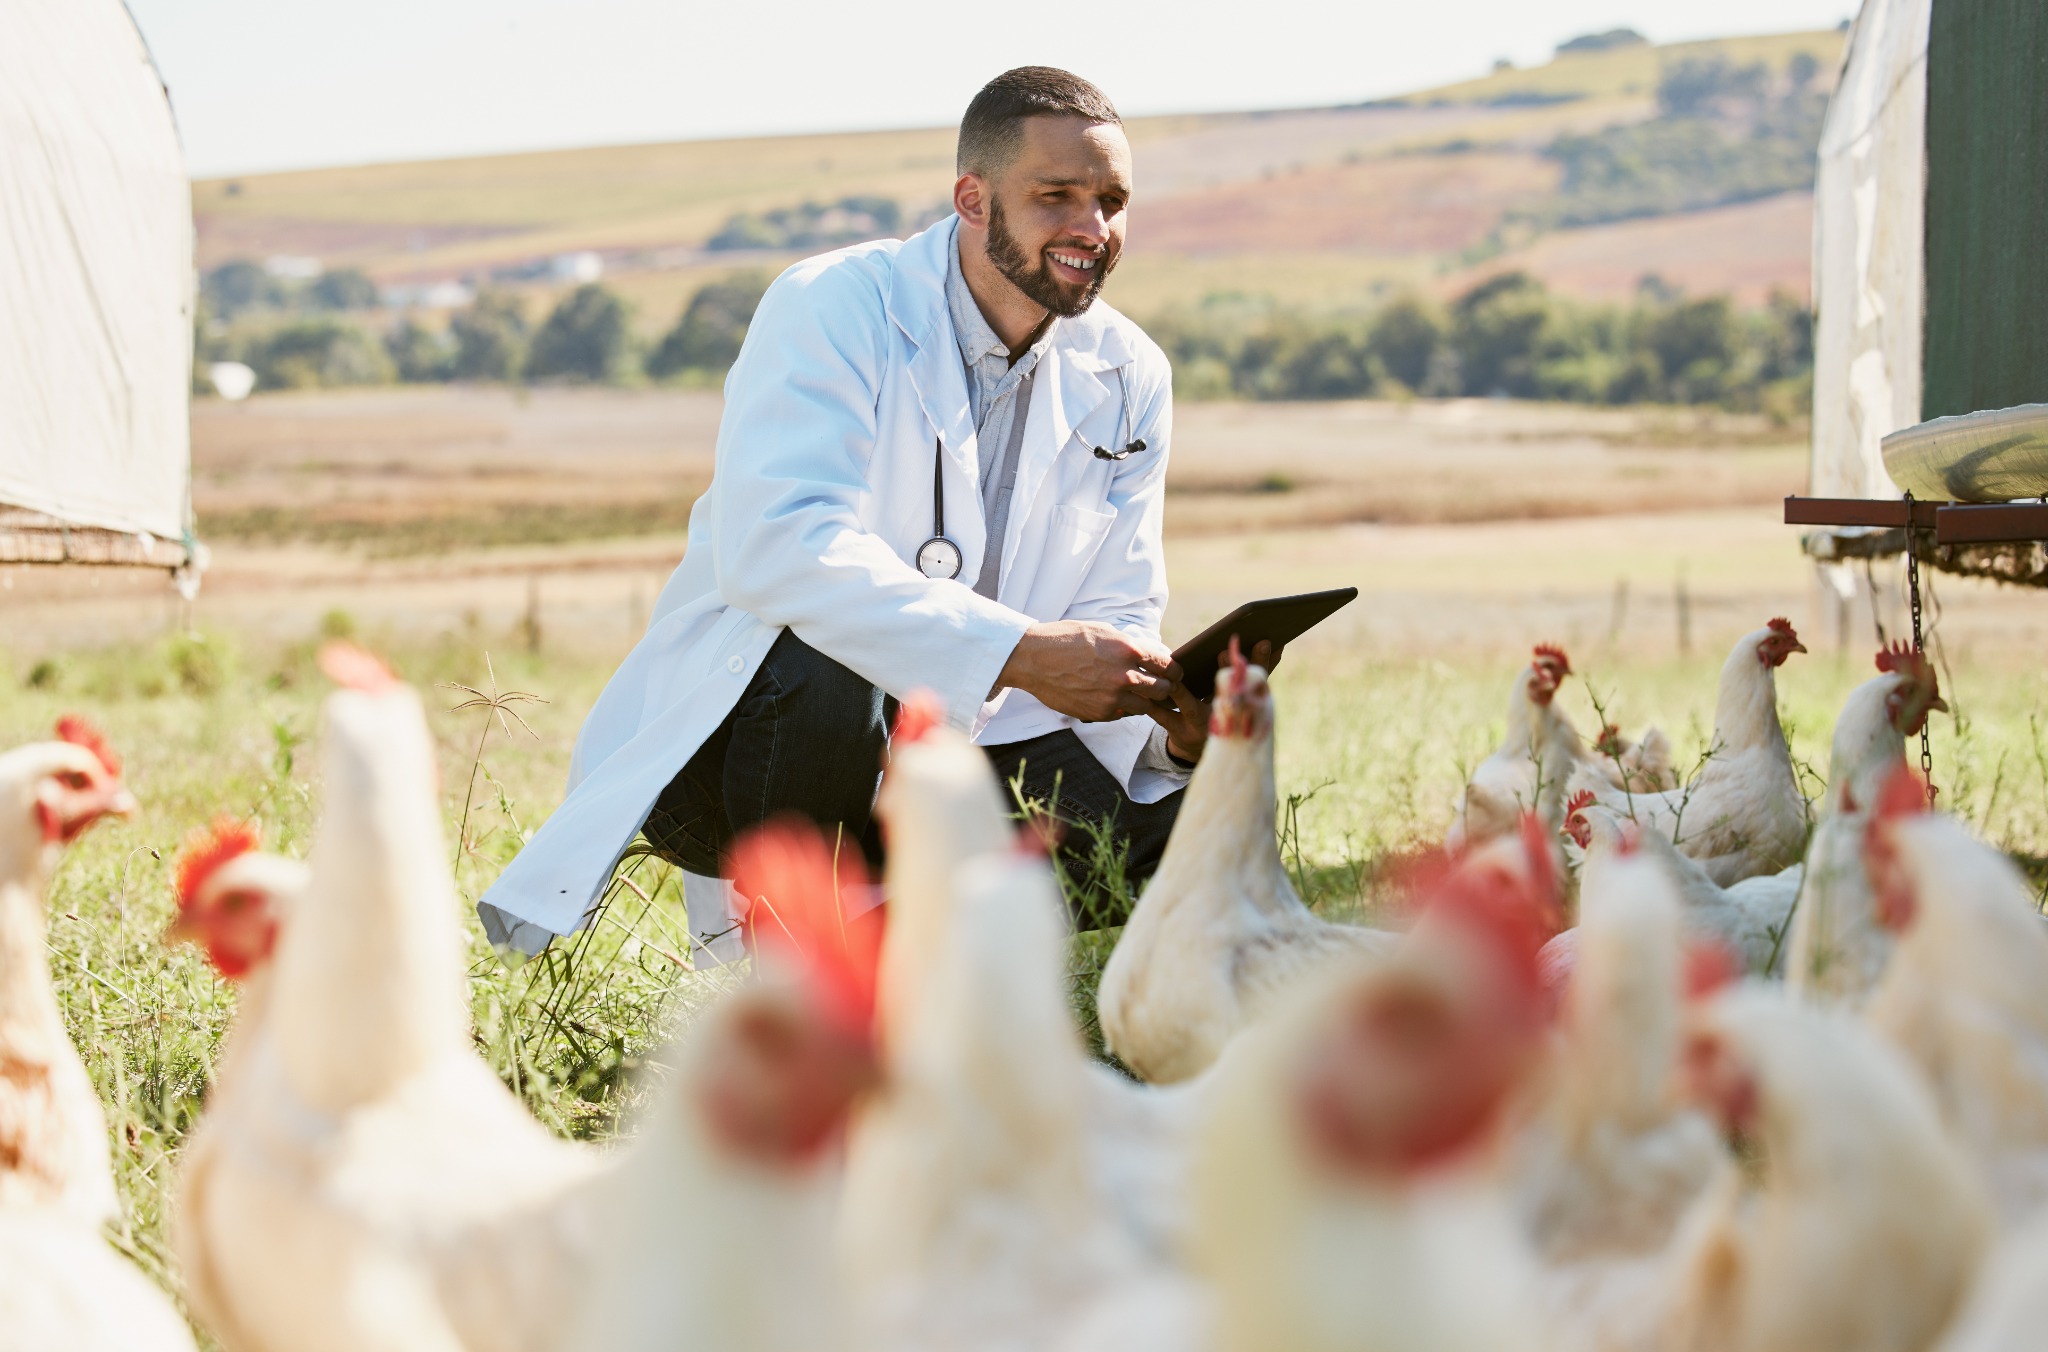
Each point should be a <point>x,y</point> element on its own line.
<point>1034,276</point>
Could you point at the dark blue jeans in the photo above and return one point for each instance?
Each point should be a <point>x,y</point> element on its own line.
<point>807,737</point>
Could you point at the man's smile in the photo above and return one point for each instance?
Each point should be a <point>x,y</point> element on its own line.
<point>1074,265</point>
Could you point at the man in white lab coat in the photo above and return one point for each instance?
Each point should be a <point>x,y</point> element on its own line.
<point>941,466</point>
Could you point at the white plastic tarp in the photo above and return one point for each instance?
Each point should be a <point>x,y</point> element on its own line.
<point>96,274</point>
<point>1867,265</point>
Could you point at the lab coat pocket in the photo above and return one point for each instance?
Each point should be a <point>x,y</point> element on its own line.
<point>1076,538</point>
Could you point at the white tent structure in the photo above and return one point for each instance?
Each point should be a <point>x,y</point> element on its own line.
<point>1868,237</point>
<point>96,295</point>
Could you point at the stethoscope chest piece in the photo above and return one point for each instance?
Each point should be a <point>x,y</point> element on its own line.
<point>938,557</point>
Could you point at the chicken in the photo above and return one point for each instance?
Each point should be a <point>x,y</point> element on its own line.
<point>233,900</point>
<point>53,1135</point>
<point>1743,814</point>
<point>972,1212</point>
<point>1838,948</point>
<point>62,1289</point>
<point>2009,1306</point>
<point>1535,759</point>
<point>718,1224</point>
<point>942,807</point>
<point>1965,992</point>
<point>1871,730</point>
<point>1644,765</point>
<point>1858,1222</point>
<point>372,1179</point>
<point>1218,936</point>
<point>1750,918</point>
<point>1607,1164</point>
<point>1345,1194</point>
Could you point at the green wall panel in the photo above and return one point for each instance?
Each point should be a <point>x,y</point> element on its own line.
<point>1987,206</point>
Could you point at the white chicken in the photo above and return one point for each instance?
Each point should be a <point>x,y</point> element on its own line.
<point>62,1289</point>
<point>1965,992</point>
<point>1644,764</point>
<point>1838,948</point>
<point>1536,757</point>
<point>972,1214</point>
<point>717,1224</point>
<point>1219,935</point>
<point>365,1161</point>
<point>1608,1164</point>
<point>1743,814</point>
<point>1751,918</point>
<point>942,807</point>
<point>1857,1223</point>
<point>1345,1196</point>
<point>53,1135</point>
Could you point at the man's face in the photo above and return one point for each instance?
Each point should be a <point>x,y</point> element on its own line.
<point>1056,214</point>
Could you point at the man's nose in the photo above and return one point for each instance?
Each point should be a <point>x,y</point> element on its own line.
<point>1091,223</point>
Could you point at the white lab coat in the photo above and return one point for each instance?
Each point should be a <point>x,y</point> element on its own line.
<point>821,494</point>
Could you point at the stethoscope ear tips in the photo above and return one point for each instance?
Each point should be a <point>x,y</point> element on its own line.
<point>1130,449</point>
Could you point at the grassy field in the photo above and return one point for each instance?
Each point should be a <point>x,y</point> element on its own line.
<point>1645,540</point>
<point>1372,747</point>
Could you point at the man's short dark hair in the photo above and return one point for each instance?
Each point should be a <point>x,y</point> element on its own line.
<point>993,129</point>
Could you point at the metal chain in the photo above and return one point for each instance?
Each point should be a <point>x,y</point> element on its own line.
<point>1919,647</point>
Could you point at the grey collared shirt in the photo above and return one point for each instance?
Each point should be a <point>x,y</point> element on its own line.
<point>999,398</point>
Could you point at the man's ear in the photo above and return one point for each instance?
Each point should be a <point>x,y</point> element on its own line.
<point>971,200</point>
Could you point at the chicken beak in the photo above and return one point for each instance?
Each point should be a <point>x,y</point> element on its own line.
<point>1938,703</point>
<point>121,803</point>
<point>1797,646</point>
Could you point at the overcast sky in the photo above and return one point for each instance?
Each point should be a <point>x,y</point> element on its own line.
<point>279,84</point>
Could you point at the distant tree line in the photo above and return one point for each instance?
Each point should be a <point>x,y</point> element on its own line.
<point>586,337</point>
<point>1722,133</point>
<point>1507,336</point>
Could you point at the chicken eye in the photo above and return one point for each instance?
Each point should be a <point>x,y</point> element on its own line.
<point>76,780</point>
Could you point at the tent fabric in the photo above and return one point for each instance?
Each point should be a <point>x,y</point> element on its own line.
<point>1986,206</point>
<point>1867,265</point>
<point>96,274</point>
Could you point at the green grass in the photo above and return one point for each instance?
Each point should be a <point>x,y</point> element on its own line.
<point>1371,752</point>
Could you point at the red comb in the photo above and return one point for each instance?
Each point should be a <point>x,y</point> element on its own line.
<point>1237,664</point>
<point>1554,655</point>
<point>1709,966</point>
<point>208,848</point>
<point>354,668</point>
<point>1782,625</point>
<point>919,713</point>
<point>1583,798</point>
<point>80,731</point>
<point>799,892</point>
<point>1906,661</point>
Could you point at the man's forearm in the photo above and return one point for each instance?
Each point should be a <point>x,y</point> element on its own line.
<point>1087,670</point>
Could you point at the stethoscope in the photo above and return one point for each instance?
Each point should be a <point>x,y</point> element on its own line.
<point>939,557</point>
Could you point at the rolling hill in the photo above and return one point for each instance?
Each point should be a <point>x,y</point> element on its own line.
<point>1325,207</point>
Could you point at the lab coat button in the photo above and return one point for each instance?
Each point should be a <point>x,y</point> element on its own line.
<point>735,664</point>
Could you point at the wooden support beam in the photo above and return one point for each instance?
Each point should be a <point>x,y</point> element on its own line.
<point>1878,512</point>
<point>1991,523</point>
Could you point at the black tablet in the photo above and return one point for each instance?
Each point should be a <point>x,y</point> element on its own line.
<point>1281,619</point>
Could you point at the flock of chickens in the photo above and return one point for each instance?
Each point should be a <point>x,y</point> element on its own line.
<point>1783,1087</point>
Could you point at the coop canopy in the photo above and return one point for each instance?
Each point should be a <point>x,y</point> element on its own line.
<point>96,274</point>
